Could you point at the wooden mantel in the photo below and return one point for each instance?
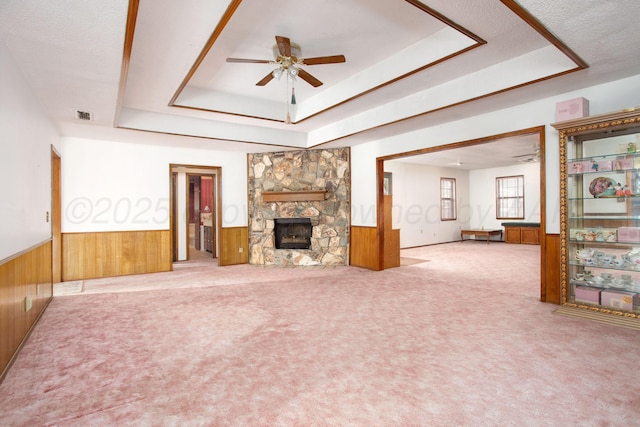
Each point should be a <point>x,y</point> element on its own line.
<point>293,196</point>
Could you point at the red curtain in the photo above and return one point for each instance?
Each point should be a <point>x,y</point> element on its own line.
<point>206,199</point>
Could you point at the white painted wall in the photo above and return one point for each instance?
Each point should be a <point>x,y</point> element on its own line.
<point>416,200</point>
<point>182,223</point>
<point>119,186</point>
<point>483,194</point>
<point>26,136</point>
<point>603,98</point>
<point>416,203</point>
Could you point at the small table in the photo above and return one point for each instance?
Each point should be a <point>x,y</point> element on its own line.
<point>486,233</point>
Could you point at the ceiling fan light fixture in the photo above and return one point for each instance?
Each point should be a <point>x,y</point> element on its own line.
<point>288,60</point>
<point>277,73</point>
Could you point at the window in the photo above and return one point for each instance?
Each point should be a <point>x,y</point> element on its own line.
<point>510,197</point>
<point>447,199</point>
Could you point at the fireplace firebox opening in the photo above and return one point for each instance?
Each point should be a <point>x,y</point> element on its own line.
<point>292,233</point>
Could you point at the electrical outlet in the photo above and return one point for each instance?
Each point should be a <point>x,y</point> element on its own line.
<point>28,303</point>
<point>240,250</point>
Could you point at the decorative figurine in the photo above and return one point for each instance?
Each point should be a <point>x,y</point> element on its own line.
<point>610,191</point>
<point>594,166</point>
<point>577,167</point>
<point>627,191</point>
<point>619,190</point>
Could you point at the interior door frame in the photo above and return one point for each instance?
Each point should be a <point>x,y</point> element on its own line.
<point>201,170</point>
<point>56,216</point>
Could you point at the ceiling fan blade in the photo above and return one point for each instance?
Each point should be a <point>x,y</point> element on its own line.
<point>335,59</point>
<point>249,61</point>
<point>266,79</point>
<point>308,78</point>
<point>284,45</point>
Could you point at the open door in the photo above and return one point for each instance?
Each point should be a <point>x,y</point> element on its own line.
<point>208,213</point>
<point>174,216</point>
<point>194,222</point>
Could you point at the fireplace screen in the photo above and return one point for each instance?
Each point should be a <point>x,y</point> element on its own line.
<point>292,233</point>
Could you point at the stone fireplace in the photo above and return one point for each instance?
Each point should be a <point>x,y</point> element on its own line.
<point>307,192</point>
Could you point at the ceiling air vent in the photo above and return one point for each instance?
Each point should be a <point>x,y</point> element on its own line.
<point>84,115</point>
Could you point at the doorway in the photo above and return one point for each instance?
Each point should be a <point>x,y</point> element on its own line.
<point>195,212</point>
<point>384,222</point>
<point>201,202</point>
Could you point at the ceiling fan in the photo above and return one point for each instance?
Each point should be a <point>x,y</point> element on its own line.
<point>530,157</point>
<point>288,59</point>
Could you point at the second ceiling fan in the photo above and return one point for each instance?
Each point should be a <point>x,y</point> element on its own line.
<point>288,58</point>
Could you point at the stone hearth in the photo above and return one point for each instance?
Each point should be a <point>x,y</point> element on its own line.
<point>327,170</point>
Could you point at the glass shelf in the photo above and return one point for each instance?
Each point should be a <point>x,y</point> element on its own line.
<point>611,156</point>
<point>603,267</point>
<point>603,217</point>
<point>635,196</point>
<point>603,243</point>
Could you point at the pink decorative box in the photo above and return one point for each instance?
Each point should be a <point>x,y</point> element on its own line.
<point>623,164</point>
<point>629,234</point>
<point>617,299</point>
<point>587,294</point>
<point>572,109</point>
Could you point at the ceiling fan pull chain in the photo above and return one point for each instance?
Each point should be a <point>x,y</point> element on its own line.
<point>287,120</point>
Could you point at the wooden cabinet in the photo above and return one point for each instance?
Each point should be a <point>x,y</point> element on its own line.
<point>512,235</point>
<point>522,233</point>
<point>600,217</point>
<point>530,235</point>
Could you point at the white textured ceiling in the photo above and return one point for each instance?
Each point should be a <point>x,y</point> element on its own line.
<point>405,69</point>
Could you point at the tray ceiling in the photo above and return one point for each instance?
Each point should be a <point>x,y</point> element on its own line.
<point>159,66</point>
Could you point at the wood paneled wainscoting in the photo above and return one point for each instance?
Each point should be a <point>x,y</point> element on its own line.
<point>25,290</point>
<point>234,246</point>
<point>364,248</point>
<point>115,253</point>
<point>550,271</point>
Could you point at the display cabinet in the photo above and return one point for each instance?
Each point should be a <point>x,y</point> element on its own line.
<point>600,217</point>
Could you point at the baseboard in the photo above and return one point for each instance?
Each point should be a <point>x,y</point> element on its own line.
<point>24,340</point>
<point>609,319</point>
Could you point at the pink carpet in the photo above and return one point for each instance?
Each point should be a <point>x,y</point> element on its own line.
<point>459,340</point>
